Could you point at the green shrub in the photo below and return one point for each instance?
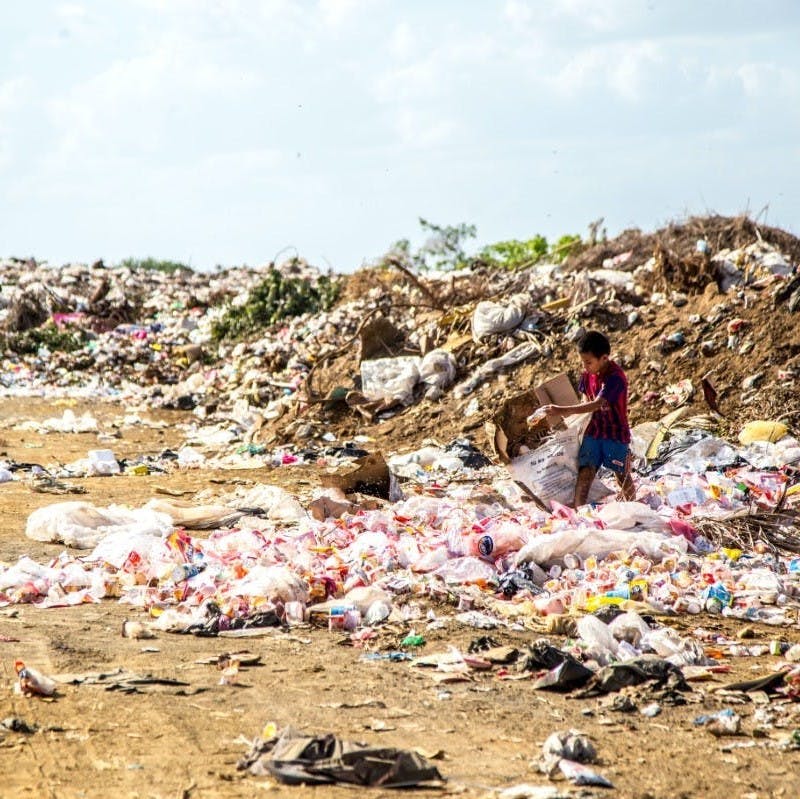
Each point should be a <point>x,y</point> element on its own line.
<point>514,254</point>
<point>55,339</point>
<point>565,246</point>
<point>444,250</point>
<point>276,298</point>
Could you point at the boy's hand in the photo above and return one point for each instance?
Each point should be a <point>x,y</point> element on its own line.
<point>540,414</point>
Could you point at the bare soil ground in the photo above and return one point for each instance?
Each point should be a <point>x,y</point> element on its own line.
<point>92,742</point>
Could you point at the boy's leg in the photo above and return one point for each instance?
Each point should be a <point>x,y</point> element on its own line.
<point>590,456</point>
<point>583,483</point>
<point>624,479</point>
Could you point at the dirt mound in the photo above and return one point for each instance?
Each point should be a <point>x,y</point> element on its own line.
<point>672,326</point>
<point>680,240</point>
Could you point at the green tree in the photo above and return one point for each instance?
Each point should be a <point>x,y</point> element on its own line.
<point>443,249</point>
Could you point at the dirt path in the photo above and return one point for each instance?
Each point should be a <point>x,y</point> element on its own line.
<point>94,742</point>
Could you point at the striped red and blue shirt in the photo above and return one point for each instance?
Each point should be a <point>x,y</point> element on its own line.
<point>611,422</point>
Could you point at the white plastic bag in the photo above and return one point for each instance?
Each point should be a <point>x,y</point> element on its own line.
<point>708,453</point>
<point>377,612</point>
<point>549,549</point>
<point>765,455</point>
<point>190,458</point>
<point>598,637</point>
<point>761,580</point>
<point>271,583</point>
<point>666,643</point>
<point>279,505</point>
<point>522,352</point>
<point>173,620</point>
<point>630,627</point>
<point>115,548</point>
<point>496,317</point>
<point>365,596</point>
<point>551,470</point>
<point>627,515</point>
<point>663,641</point>
<point>102,462</point>
<point>463,571</point>
<point>390,378</point>
<point>81,525</point>
<point>25,570</point>
<point>69,423</point>
<point>437,371</point>
<point>642,436</point>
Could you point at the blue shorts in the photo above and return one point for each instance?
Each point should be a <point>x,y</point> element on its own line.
<point>597,452</point>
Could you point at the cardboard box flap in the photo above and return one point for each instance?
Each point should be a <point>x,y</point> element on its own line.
<point>558,391</point>
<point>370,476</point>
<point>509,430</point>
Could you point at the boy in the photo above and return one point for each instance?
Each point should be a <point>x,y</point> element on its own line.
<point>605,443</point>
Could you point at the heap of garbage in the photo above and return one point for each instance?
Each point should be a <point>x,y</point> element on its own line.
<point>714,298</point>
<point>462,517</point>
<point>712,530</point>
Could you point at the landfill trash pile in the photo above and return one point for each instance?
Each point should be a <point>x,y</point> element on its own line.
<point>712,531</point>
<point>693,301</point>
<point>424,512</point>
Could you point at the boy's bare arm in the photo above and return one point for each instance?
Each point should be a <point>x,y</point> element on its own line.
<point>568,410</point>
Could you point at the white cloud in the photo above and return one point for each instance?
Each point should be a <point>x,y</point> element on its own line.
<point>264,19</point>
<point>517,12</point>
<point>305,24</point>
<point>628,72</point>
<point>216,8</point>
<point>418,80</point>
<point>422,94</point>
<point>12,92</point>
<point>402,41</point>
<point>759,79</point>
<point>241,163</point>
<point>337,13</point>
<point>623,68</point>
<point>603,16</point>
<point>71,11</point>
<point>419,129</point>
<point>125,105</point>
<point>597,17</point>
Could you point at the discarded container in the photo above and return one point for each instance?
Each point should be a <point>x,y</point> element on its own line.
<point>337,616</point>
<point>186,571</point>
<point>102,462</point>
<point>33,682</point>
<point>717,597</point>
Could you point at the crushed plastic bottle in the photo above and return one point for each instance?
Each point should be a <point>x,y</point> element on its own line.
<point>185,571</point>
<point>32,682</point>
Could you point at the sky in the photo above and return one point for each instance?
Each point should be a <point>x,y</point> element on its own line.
<point>237,131</point>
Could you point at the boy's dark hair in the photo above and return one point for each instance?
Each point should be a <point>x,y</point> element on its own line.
<point>595,343</point>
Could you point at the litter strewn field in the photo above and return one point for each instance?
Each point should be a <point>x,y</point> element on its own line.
<point>335,531</point>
